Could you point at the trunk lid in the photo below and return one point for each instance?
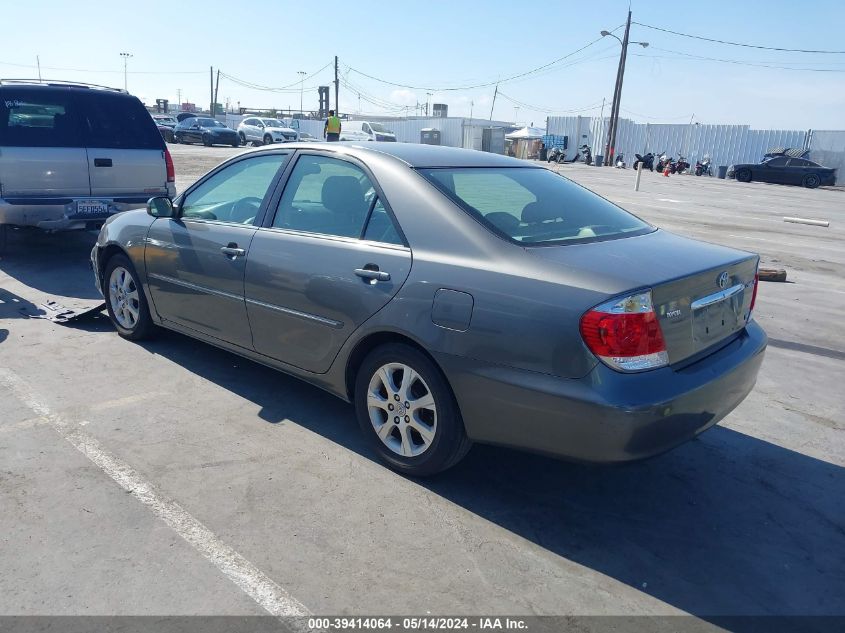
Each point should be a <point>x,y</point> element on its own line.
<point>701,292</point>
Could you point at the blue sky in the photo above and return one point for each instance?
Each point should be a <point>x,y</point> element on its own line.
<point>452,44</point>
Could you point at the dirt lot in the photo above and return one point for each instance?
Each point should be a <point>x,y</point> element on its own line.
<point>174,478</point>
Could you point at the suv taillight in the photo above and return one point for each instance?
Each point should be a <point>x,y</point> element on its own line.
<point>625,334</point>
<point>168,161</point>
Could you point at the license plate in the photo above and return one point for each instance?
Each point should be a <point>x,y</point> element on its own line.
<point>91,208</point>
<point>718,320</point>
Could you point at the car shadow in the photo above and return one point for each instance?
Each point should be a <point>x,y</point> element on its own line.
<point>56,264</point>
<point>727,524</point>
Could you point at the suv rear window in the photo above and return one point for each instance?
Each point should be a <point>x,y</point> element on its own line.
<point>534,205</point>
<point>117,121</point>
<point>38,118</point>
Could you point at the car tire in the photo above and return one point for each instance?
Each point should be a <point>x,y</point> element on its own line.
<point>743,175</point>
<point>268,140</point>
<point>242,138</point>
<point>125,300</point>
<point>428,438</point>
<point>206,140</point>
<point>811,181</point>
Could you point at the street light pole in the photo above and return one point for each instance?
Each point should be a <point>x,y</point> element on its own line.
<point>125,57</point>
<point>302,74</point>
<point>610,148</point>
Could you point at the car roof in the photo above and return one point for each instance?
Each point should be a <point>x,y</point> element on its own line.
<point>420,156</point>
<point>52,86</point>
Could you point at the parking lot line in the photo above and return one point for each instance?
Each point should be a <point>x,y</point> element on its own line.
<point>251,580</point>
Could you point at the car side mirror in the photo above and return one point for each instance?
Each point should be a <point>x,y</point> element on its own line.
<point>160,207</point>
<point>260,125</point>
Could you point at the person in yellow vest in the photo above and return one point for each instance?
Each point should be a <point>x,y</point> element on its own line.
<point>331,131</point>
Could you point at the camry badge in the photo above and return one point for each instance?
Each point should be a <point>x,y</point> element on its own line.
<point>723,280</point>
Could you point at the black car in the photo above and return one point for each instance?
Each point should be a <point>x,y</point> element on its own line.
<point>206,131</point>
<point>785,170</point>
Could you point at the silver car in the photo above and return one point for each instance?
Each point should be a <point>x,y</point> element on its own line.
<point>452,296</point>
<point>72,155</point>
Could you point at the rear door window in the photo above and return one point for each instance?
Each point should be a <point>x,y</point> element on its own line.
<point>117,121</point>
<point>39,118</point>
<point>327,196</point>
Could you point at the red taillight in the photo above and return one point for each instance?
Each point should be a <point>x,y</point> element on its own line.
<point>168,161</point>
<point>625,334</point>
<point>754,293</point>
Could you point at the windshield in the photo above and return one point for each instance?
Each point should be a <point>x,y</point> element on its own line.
<point>273,123</point>
<point>534,205</point>
<point>210,123</point>
<point>378,127</point>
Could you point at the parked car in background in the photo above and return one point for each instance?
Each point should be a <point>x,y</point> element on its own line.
<point>305,137</point>
<point>71,155</point>
<point>265,131</point>
<point>206,131</point>
<point>452,295</point>
<point>365,131</point>
<point>165,120</point>
<point>166,133</point>
<point>784,170</point>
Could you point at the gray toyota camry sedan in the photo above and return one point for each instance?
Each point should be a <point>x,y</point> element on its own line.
<point>453,296</point>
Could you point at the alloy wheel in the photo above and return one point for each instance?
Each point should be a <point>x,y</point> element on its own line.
<point>124,299</point>
<point>402,409</point>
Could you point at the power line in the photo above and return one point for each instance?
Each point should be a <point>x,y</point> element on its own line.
<point>547,110</point>
<point>286,88</point>
<point>91,70</point>
<point>481,85</point>
<point>735,61</point>
<point>767,48</point>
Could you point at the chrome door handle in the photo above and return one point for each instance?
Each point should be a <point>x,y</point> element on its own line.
<point>375,275</point>
<point>233,251</point>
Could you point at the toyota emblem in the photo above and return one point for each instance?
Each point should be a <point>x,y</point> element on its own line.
<point>723,280</point>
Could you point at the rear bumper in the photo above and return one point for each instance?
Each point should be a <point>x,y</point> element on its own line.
<point>606,416</point>
<point>58,214</point>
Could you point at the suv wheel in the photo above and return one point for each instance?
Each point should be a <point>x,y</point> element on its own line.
<point>242,138</point>
<point>125,300</point>
<point>268,140</point>
<point>405,406</point>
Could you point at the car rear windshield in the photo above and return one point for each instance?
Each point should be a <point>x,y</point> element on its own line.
<point>534,205</point>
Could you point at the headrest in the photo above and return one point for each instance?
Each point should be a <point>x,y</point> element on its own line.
<point>538,212</point>
<point>342,193</point>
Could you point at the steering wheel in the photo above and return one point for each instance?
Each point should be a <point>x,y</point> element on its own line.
<point>245,210</point>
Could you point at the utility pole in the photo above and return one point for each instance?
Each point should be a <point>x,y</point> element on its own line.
<point>125,57</point>
<point>211,89</point>
<point>216,88</point>
<point>302,74</point>
<point>428,96</point>
<point>38,61</point>
<point>615,128</point>
<point>515,114</point>
<point>179,98</point>
<point>495,92</point>
<point>336,102</point>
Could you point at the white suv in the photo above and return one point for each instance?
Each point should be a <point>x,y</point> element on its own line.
<point>71,155</point>
<point>263,130</point>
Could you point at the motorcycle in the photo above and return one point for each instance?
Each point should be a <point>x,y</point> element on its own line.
<point>647,160</point>
<point>588,154</point>
<point>556,155</point>
<point>661,162</point>
<point>702,167</point>
<point>620,161</point>
<point>681,166</point>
